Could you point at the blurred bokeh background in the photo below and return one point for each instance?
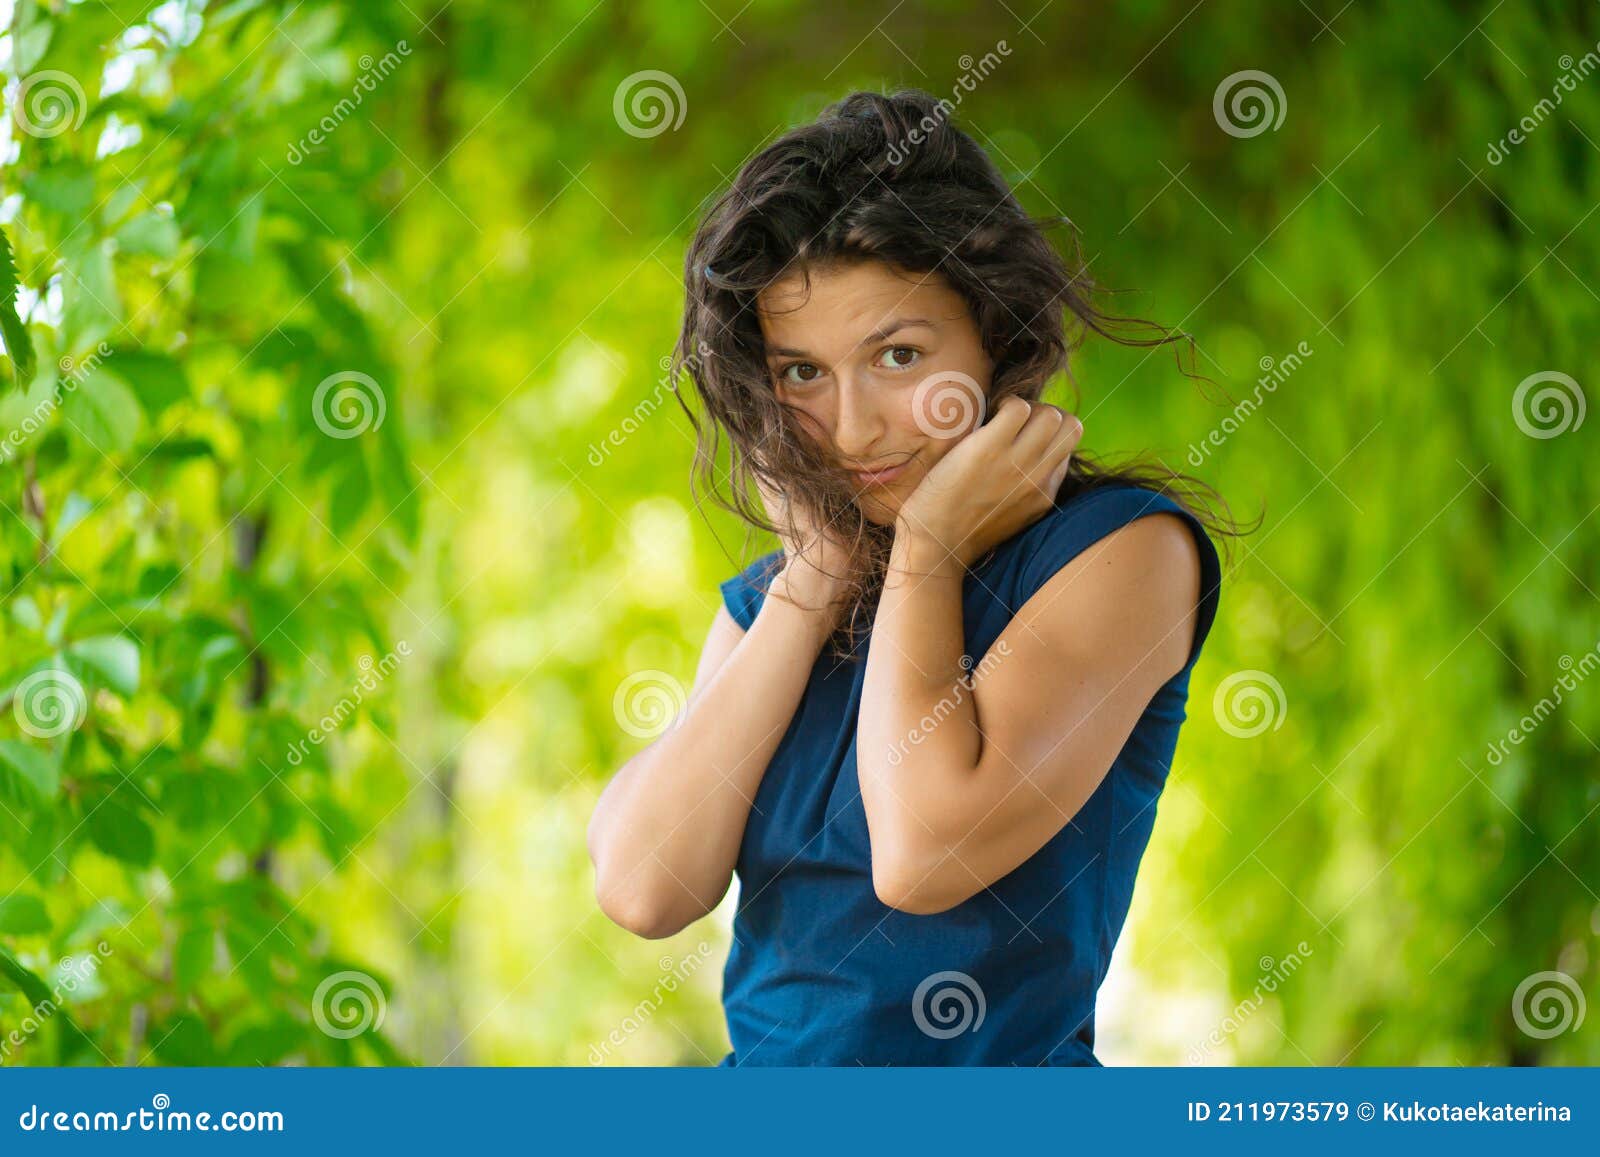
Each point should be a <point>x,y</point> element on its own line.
<point>347,543</point>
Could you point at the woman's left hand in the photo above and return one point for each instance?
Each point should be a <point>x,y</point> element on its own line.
<point>998,480</point>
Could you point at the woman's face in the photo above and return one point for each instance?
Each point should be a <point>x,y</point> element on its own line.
<point>887,370</point>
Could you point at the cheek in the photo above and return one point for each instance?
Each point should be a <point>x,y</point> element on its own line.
<point>944,407</point>
<point>812,420</point>
<point>931,450</point>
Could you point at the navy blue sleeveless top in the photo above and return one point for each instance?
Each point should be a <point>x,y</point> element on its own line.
<point>821,972</point>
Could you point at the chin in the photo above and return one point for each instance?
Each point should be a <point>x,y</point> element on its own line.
<point>878,512</point>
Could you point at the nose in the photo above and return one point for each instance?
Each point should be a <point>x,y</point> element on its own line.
<point>858,424</point>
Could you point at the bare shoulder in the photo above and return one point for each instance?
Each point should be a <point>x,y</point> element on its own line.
<point>1133,594</point>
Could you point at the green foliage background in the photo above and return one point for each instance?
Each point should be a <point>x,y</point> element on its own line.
<point>480,238</point>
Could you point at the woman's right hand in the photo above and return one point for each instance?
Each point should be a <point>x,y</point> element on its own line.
<point>815,559</point>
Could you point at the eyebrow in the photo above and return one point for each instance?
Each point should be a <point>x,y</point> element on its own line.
<point>889,330</point>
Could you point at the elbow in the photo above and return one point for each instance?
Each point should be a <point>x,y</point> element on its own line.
<point>636,910</point>
<point>920,884</point>
<point>648,903</point>
<point>627,903</point>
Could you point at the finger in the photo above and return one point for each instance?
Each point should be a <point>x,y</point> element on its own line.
<point>1052,486</point>
<point>1057,459</point>
<point>1009,418</point>
<point>1038,433</point>
<point>1070,432</point>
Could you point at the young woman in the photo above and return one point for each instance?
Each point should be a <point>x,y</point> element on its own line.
<point>929,733</point>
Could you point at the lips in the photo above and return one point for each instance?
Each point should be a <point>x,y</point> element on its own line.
<point>879,477</point>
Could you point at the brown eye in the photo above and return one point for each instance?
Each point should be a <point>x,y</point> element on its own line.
<point>900,357</point>
<point>811,376</point>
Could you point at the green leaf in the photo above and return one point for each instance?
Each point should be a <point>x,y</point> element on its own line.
<point>119,831</point>
<point>93,303</point>
<point>194,955</point>
<point>22,980</point>
<point>184,1041</point>
<point>266,1044</point>
<point>98,917</point>
<point>35,768</point>
<point>150,235</point>
<point>27,614</point>
<point>18,344</point>
<point>65,188</point>
<point>115,658</point>
<point>73,511</point>
<point>103,412</point>
<point>352,491</point>
<point>23,915</point>
<point>157,380</point>
<point>30,37</point>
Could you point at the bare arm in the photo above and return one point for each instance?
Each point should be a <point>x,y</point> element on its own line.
<point>1017,754</point>
<point>665,835</point>
<point>954,805</point>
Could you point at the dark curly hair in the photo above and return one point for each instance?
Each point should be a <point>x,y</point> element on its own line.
<point>885,178</point>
